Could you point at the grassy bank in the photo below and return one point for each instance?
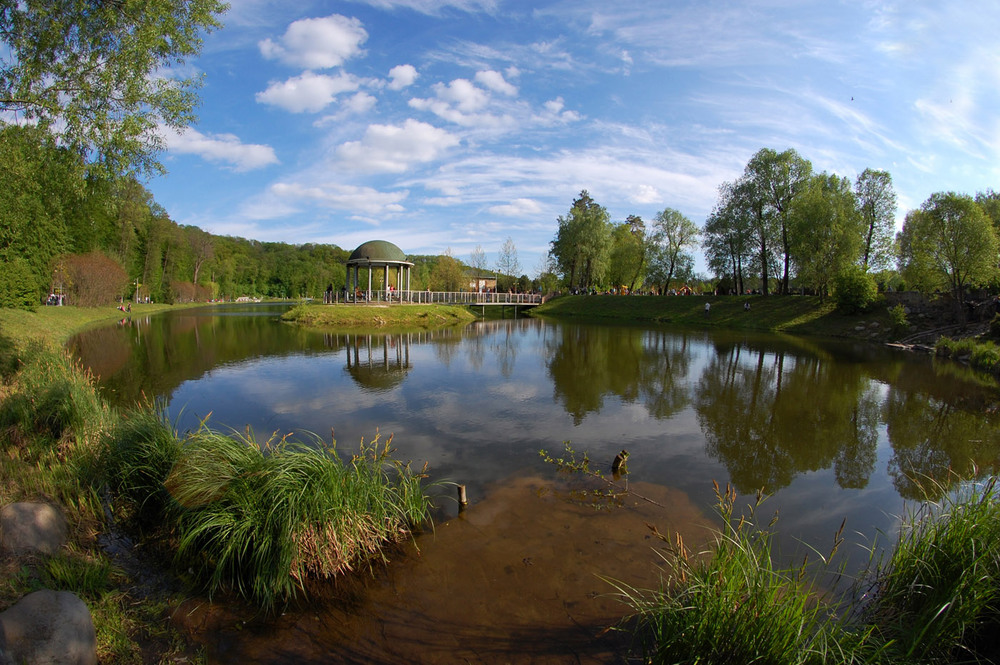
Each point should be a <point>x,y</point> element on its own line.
<point>263,519</point>
<point>53,326</point>
<point>382,317</point>
<point>802,315</point>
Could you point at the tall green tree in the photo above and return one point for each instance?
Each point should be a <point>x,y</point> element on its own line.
<point>877,206</point>
<point>582,243</point>
<point>102,76</point>
<point>627,254</point>
<point>728,237</point>
<point>825,228</point>
<point>774,179</point>
<point>40,184</point>
<point>949,242</point>
<point>675,237</point>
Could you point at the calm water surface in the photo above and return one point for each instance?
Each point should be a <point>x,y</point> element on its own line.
<point>831,430</point>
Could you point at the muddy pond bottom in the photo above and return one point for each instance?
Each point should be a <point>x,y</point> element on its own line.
<point>519,577</point>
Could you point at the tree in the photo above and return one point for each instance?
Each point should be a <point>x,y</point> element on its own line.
<point>674,236</point>
<point>773,180</point>
<point>447,274</point>
<point>582,243</point>
<point>825,232</point>
<point>477,260</point>
<point>877,205</point>
<point>101,76</point>
<point>948,242</point>
<point>627,255</point>
<point>728,236</point>
<point>507,263</point>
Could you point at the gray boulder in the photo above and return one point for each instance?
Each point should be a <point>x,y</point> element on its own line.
<point>48,628</point>
<point>32,527</point>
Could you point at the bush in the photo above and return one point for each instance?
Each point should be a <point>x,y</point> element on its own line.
<point>854,290</point>
<point>94,279</point>
<point>994,332</point>
<point>900,324</point>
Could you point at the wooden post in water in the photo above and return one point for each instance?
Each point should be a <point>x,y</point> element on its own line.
<point>463,500</point>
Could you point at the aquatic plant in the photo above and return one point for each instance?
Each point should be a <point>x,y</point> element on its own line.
<point>265,519</point>
<point>733,604</point>
<point>937,597</point>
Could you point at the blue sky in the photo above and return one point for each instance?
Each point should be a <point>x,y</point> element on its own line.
<point>454,124</point>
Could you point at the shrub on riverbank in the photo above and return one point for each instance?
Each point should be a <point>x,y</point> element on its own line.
<point>981,354</point>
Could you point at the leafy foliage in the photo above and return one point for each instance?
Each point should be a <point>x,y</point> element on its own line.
<point>854,290</point>
<point>88,72</point>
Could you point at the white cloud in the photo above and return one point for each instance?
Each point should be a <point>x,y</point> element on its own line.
<point>307,92</point>
<point>393,148</point>
<point>463,94</point>
<point>517,208</point>
<point>220,148</point>
<point>402,76</point>
<point>495,81</point>
<point>464,104</point>
<point>317,43</point>
<point>358,200</point>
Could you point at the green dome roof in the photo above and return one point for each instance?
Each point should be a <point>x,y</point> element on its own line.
<point>378,250</point>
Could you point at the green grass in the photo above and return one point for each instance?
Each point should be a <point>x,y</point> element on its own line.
<point>805,315</point>
<point>937,597</point>
<point>732,604</point>
<point>981,354</point>
<point>933,599</point>
<point>383,317</point>
<point>263,520</point>
<point>53,326</point>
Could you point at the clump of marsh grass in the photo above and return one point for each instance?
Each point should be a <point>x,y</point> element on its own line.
<point>733,604</point>
<point>49,400</point>
<point>137,455</point>
<point>265,519</point>
<point>937,597</point>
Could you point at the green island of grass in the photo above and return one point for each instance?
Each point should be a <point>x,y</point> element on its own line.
<point>379,316</point>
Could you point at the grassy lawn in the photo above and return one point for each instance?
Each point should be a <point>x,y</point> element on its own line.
<point>384,317</point>
<point>53,326</point>
<point>802,315</point>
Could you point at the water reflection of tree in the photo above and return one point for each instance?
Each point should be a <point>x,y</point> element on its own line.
<point>589,363</point>
<point>934,440</point>
<point>769,416</point>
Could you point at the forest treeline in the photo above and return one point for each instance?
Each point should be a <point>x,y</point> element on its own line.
<point>100,239</point>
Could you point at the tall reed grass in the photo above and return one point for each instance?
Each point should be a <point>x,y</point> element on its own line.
<point>263,519</point>
<point>936,599</point>
<point>733,604</point>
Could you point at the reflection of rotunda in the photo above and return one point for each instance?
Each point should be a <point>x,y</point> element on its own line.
<point>383,256</point>
<point>378,362</point>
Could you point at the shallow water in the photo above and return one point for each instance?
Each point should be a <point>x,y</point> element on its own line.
<point>831,430</point>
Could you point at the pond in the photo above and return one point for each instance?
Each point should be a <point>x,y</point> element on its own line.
<point>831,430</point>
